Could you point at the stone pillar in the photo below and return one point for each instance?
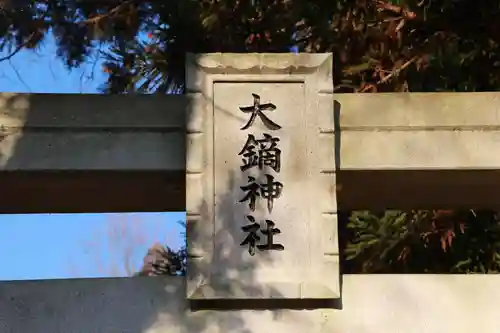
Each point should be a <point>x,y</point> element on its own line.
<point>261,126</point>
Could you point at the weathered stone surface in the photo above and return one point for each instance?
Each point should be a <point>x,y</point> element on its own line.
<point>418,131</point>
<point>73,153</point>
<point>422,149</point>
<point>93,132</point>
<point>88,111</point>
<point>419,110</point>
<point>370,304</point>
<point>92,150</point>
<point>297,86</point>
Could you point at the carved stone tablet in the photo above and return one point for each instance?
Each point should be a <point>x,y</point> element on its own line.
<point>261,200</point>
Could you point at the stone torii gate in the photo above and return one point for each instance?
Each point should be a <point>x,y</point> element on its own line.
<point>95,153</point>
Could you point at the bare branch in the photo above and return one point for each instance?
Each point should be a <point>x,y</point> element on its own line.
<point>389,76</point>
<point>400,10</point>
<point>117,245</point>
<point>112,12</point>
<point>19,48</point>
<point>18,75</point>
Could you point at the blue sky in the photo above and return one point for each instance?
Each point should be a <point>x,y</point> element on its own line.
<point>48,246</point>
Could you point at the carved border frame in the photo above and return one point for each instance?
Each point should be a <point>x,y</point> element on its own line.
<point>202,71</point>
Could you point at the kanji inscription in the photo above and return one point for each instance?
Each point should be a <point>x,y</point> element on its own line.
<point>257,110</point>
<point>262,153</point>
<point>259,153</point>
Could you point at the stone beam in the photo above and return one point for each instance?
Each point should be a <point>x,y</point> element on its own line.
<point>93,191</point>
<point>447,141</point>
<point>370,303</point>
<point>417,150</point>
<point>92,132</point>
<point>418,189</point>
<point>70,153</point>
<point>415,131</point>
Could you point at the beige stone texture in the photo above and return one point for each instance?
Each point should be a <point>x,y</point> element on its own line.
<point>418,131</point>
<point>369,304</point>
<point>420,110</point>
<point>305,213</point>
<point>92,132</point>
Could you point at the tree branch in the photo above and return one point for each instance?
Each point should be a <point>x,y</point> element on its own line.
<point>18,75</point>
<point>389,76</point>
<point>112,12</point>
<point>19,48</point>
<point>396,9</point>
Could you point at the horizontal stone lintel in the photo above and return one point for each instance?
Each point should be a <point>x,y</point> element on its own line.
<point>418,110</point>
<point>380,190</point>
<point>93,150</point>
<point>354,111</point>
<point>94,111</point>
<point>372,150</point>
<point>92,191</point>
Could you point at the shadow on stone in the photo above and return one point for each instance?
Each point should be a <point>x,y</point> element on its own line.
<point>73,153</point>
<point>236,285</point>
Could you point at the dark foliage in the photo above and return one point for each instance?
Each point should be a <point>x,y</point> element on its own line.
<point>161,260</point>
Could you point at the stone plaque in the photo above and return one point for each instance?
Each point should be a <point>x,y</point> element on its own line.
<point>261,198</point>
